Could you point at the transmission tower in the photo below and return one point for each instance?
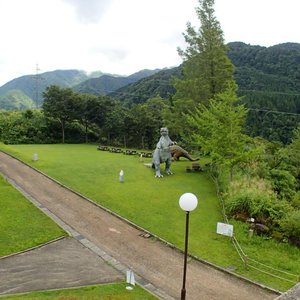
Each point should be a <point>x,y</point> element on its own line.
<point>37,78</point>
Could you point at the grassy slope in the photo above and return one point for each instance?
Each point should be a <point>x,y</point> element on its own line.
<point>114,291</point>
<point>22,225</point>
<point>153,204</point>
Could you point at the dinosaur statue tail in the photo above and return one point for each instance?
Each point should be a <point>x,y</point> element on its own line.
<point>191,158</point>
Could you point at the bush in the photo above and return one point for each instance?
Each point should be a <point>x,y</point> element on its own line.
<point>296,200</point>
<point>250,203</point>
<point>290,225</point>
<point>255,198</point>
<point>284,183</point>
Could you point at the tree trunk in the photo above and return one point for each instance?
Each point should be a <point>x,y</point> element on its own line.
<point>86,132</point>
<point>62,132</point>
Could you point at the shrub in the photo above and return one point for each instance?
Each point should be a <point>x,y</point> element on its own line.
<point>284,183</point>
<point>255,198</point>
<point>290,225</point>
<point>296,200</point>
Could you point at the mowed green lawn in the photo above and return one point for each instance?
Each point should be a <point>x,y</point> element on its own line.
<point>152,203</point>
<point>115,291</point>
<point>22,225</point>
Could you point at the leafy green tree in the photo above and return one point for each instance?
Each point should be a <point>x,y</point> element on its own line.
<point>217,128</point>
<point>60,104</point>
<point>143,122</point>
<point>90,108</point>
<point>26,127</point>
<point>111,121</point>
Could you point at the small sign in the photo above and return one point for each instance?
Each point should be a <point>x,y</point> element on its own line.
<point>130,280</point>
<point>225,229</point>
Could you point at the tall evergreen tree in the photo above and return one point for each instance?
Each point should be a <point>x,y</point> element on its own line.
<point>206,67</point>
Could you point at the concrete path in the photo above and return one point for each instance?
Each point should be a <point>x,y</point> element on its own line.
<point>157,265</point>
<point>62,264</point>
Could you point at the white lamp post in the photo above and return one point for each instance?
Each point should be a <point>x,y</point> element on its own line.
<point>188,202</point>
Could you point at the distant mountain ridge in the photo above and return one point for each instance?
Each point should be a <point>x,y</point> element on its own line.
<point>26,91</point>
<point>107,83</point>
<point>260,71</point>
<point>158,84</point>
<point>268,69</point>
<point>32,86</point>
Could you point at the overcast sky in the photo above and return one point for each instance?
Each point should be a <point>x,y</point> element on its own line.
<point>125,36</point>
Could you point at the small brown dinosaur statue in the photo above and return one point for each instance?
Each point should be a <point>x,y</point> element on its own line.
<point>177,152</point>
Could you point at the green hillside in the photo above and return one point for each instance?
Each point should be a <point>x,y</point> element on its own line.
<point>31,85</point>
<point>268,80</point>
<point>15,99</point>
<point>149,87</point>
<point>106,84</point>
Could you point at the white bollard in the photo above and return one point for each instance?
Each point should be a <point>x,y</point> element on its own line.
<point>121,175</point>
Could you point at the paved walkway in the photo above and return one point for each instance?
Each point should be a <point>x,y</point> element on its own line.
<point>158,267</point>
<point>62,264</point>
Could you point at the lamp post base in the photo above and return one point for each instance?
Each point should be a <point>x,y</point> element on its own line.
<point>183,294</point>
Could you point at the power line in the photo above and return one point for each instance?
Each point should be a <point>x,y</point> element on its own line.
<point>167,83</point>
<point>271,92</point>
<point>274,111</point>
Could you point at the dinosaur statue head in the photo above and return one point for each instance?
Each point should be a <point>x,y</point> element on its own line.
<point>164,131</point>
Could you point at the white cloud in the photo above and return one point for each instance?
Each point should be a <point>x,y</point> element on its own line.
<point>259,22</point>
<point>89,11</point>
<point>123,37</point>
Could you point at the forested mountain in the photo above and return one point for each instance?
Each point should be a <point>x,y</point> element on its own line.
<point>275,69</point>
<point>158,84</point>
<point>268,80</point>
<point>106,84</point>
<point>26,91</point>
<point>32,86</point>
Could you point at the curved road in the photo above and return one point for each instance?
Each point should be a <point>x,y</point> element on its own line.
<point>153,261</point>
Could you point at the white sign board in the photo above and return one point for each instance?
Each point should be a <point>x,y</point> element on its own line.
<point>225,229</point>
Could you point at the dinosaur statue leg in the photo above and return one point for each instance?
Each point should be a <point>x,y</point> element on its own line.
<point>168,164</point>
<point>157,171</point>
<point>156,163</point>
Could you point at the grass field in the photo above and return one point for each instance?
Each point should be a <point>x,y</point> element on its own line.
<point>22,225</point>
<point>116,291</point>
<point>152,203</point>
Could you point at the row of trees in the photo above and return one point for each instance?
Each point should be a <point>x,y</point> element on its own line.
<point>114,123</point>
<point>72,117</point>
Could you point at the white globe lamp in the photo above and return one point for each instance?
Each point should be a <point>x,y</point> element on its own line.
<point>188,202</point>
